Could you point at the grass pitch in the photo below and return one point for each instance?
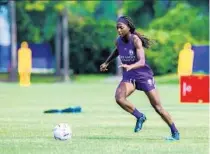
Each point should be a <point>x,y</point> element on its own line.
<point>103,127</point>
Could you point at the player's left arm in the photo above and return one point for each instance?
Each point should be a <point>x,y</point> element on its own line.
<point>139,52</point>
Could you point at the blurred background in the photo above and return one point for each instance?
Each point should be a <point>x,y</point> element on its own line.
<point>69,39</point>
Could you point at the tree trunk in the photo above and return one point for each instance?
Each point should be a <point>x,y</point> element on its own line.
<point>13,70</point>
<point>118,61</point>
<point>58,47</point>
<point>65,46</point>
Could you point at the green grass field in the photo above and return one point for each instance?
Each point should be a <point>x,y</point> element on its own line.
<point>102,128</point>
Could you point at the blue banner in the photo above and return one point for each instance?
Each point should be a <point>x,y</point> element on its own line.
<point>43,60</point>
<point>4,38</point>
<point>201,59</point>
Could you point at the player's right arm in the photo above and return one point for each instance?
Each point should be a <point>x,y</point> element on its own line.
<point>112,56</point>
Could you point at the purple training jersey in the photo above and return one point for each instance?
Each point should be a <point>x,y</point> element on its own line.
<point>142,75</point>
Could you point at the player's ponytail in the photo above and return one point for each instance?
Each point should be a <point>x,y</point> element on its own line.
<point>146,42</point>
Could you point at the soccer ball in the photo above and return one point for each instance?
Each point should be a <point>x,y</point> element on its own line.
<point>62,132</point>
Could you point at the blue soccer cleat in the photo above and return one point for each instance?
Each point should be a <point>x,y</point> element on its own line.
<point>139,123</point>
<point>173,137</point>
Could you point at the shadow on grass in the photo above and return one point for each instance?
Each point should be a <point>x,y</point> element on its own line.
<point>122,138</point>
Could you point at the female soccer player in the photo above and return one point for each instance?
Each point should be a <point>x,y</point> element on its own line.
<point>136,74</point>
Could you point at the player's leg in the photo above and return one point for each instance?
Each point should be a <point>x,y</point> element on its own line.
<point>155,102</point>
<point>123,91</point>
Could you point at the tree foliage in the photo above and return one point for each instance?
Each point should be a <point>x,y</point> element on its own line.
<point>92,29</point>
<point>171,35</point>
<point>187,19</point>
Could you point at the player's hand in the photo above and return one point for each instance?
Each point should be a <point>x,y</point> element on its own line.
<point>103,67</point>
<point>125,66</point>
